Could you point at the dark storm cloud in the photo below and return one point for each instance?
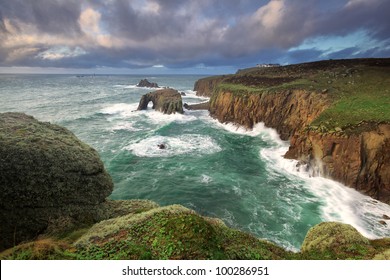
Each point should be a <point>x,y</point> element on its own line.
<point>176,33</point>
<point>48,16</point>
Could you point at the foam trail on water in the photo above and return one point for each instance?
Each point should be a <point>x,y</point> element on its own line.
<point>120,109</point>
<point>176,145</point>
<point>125,111</point>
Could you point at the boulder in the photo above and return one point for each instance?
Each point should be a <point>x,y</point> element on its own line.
<point>46,175</point>
<point>332,236</point>
<point>146,83</point>
<point>167,101</point>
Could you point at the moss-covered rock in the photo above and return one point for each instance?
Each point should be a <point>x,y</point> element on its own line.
<point>167,101</point>
<point>46,174</point>
<point>331,235</point>
<point>171,232</point>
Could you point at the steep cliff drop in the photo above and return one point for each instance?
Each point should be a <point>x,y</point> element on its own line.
<point>335,114</point>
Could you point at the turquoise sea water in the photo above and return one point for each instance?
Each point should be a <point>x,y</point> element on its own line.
<point>219,170</point>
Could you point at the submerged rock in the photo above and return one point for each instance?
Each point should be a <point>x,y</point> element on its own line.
<point>146,83</point>
<point>167,101</point>
<point>46,174</point>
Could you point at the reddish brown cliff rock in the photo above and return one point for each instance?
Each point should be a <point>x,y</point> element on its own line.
<point>360,160</point>
<point>357,160</point>
<point>287,111</point>
<point>206,86</point>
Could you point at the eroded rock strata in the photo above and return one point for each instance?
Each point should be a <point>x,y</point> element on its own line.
<point>289,99</point>
<point>206,86</point>
<point>167,101</point>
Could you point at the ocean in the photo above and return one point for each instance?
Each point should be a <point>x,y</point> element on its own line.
<point>219,170</point>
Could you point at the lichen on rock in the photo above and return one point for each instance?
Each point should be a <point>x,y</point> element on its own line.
<point>330,236</point>
<point>46,173</point>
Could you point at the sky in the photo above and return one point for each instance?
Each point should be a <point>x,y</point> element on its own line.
<point>185,36</point>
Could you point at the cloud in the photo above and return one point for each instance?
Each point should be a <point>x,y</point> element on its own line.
<point>175,33</point>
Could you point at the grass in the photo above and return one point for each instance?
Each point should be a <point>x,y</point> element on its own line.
<point>358,90</point>
<point>365,99</point>
<point>175,232</point>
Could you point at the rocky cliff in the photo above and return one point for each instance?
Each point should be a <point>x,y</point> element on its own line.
<point>206,86</point>
<point>335,113</point>
<point>47,177</point>
<point>53,191</point>
<point>360,160</point>
<point>287,111</point>
<point>167,101</point>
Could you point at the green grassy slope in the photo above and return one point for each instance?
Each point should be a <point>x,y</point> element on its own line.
<point>358,89</point>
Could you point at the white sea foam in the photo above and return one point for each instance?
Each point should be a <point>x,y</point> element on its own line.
<point>190,94</point>
<point>126,86</point>
<point>206,179</point>
<point>183,144</point>
<point>339,203</point>
<point>121,109</point>
<point>125,125</point>
<point>160,118</point>
<point>125,111</point>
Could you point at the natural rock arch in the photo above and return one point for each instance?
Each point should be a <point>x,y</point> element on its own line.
<point>167,101</point>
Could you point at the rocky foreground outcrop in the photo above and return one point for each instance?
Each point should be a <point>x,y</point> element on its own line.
<point>167,101</point>
<point>47,177</point>
<point>299,101</point>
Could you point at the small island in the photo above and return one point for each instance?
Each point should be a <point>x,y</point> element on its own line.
<point>147,84</point>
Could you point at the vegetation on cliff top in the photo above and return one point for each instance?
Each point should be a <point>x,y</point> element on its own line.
<point>147,231</point>
<point>358,89</point>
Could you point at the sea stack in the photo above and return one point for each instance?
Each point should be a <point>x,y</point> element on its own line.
<point>146,83</point>
<point>167,101</point>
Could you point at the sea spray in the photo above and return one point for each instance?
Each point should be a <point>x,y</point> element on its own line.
<point>219,170</point>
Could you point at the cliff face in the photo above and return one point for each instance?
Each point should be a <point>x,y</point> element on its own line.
<point>287,111</point>
<point>206,86</point>
<point>322,109</point>
<point>357,160</point>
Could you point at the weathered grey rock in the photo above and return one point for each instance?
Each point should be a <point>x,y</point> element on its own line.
<point>146,83</point>
<point>167,101</point>
<point>46,174</point>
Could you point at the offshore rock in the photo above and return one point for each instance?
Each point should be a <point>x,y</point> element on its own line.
<point>167,101</point>
<point>199,106</point>
<point>46,175</point>
<point>146,83</point>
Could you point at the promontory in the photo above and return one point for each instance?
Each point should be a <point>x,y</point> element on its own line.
<point>335,113</point>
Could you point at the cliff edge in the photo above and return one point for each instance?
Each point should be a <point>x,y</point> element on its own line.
<point>335,113</point>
